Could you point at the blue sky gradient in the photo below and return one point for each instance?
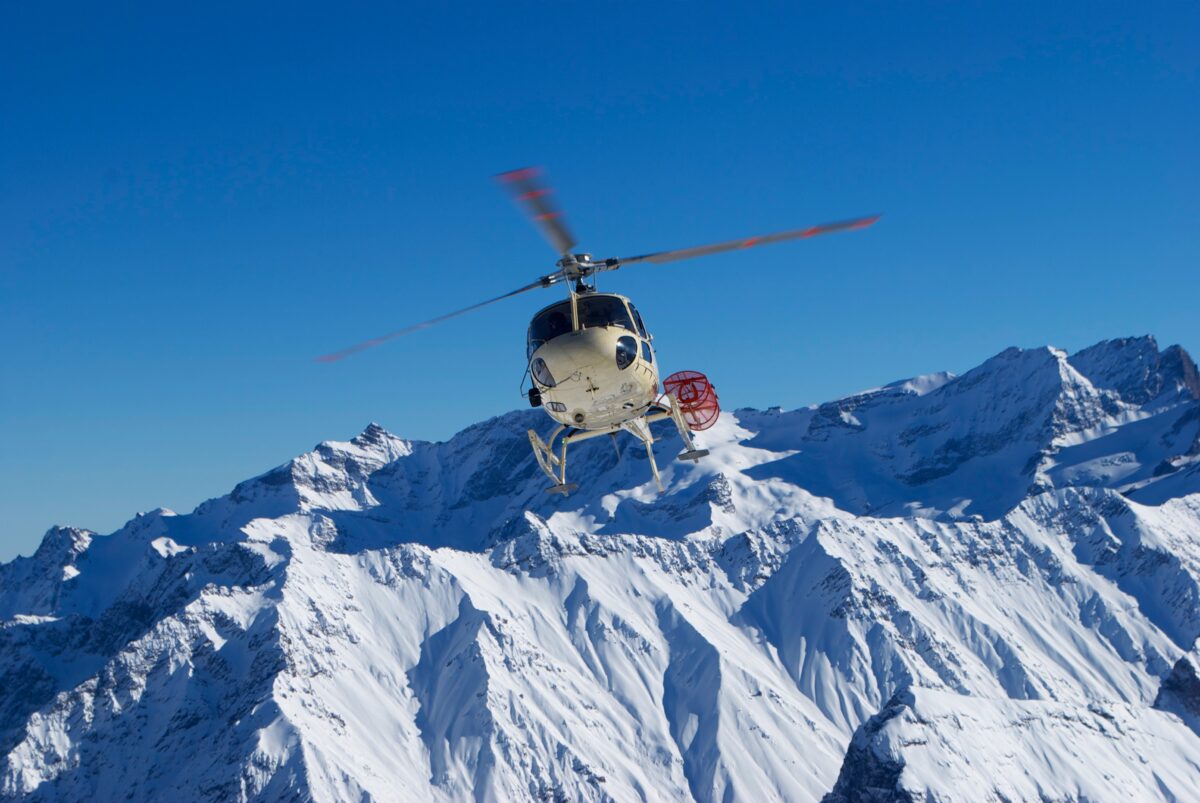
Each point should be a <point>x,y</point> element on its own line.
<point>194,204</point>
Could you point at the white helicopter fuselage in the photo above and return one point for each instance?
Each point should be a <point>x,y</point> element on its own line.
<point>595,376</point>
<point>592,390</point>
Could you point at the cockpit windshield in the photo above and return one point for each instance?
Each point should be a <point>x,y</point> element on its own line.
<point>597,311</point>
<point>594,312</point>
<point>549,324</point>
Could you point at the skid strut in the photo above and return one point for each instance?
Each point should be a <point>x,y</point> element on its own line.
<point>554,465</point>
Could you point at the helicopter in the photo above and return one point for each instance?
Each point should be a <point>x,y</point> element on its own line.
<point>590,358</point>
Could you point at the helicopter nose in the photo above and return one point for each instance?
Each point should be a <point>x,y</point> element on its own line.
<point>583,350</point>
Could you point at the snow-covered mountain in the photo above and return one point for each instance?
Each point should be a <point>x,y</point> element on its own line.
<point>949,588</point>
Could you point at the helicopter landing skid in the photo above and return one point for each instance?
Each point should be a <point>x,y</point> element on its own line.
<point>554,465</point>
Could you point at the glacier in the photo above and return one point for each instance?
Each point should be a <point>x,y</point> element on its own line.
<point>975,587</point>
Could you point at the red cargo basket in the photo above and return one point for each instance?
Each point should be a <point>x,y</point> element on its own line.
<point>696,396</point>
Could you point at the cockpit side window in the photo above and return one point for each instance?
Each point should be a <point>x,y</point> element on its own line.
<point>637,318</point>
<point>595,311</point>
<point>549,324</point>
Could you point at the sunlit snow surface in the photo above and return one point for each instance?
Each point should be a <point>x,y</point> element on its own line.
<point>950,588</point>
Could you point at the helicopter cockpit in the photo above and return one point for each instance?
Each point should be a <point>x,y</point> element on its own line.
<point>595,310</point>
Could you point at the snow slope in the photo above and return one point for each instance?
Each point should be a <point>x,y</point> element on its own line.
<point>975,587</point>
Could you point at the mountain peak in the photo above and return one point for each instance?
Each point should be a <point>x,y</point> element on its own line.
<point>373,434</point>
<point>60,544</point>
<point>374,443</point>
<point>1136,370</point>
<point>1179,366</point>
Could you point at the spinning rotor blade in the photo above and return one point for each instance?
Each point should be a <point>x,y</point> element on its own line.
<point>545,281</point>
<point>750,242</point>
<point>533,195</point>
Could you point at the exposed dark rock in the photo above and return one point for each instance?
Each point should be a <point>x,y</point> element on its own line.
<point>1180,692</point>
<point>867,777</point>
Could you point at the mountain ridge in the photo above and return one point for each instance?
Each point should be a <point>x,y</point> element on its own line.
<point>810,611</point>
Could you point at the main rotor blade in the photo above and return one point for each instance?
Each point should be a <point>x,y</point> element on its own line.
<point>533,195</point>
<point>750,242</point>
<point>545,281</point>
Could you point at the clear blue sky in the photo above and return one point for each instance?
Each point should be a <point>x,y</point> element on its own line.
<point>195,203</point>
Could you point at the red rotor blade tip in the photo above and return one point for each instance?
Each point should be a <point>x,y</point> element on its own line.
<point>520,174</point>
